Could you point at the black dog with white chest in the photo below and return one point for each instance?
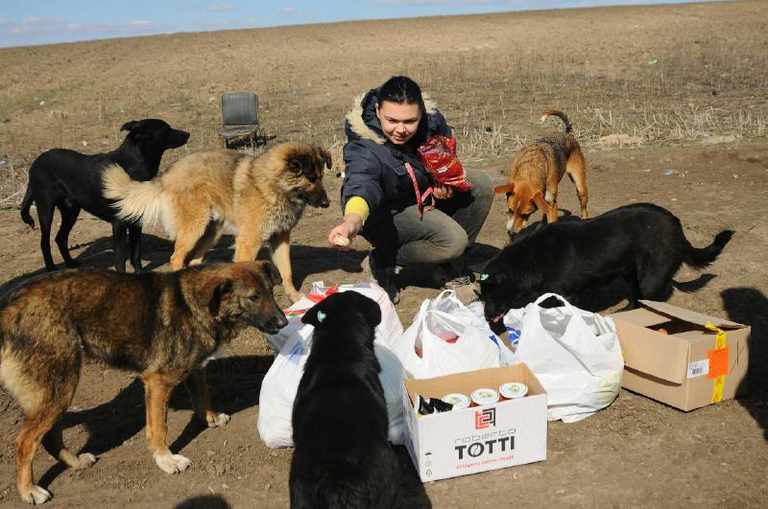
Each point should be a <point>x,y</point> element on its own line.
<point>643,243</point>
<point>342,457</point>
<point>70,181</point>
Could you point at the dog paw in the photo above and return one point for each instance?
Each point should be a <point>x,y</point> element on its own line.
<point>215,420</point>
<point>36,496</point>
<point>86,460</point>
<point>172,463</point>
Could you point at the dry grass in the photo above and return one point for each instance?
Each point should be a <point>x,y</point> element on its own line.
<point>665,74</point>
<point>677,99</point>
<point>12,184</point>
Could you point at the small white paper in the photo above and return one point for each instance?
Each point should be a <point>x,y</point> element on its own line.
<point>698,368</point>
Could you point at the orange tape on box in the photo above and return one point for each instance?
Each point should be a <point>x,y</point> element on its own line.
<point>718,362</point>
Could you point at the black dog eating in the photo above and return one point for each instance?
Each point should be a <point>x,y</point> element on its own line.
<point>643,243</point>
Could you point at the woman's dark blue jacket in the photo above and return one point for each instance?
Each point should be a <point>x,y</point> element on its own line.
<point>375,168</point>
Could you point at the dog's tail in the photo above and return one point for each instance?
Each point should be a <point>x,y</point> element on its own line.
<point>562,116</point>
<point>135,200</point>
<point>26,203</point>
<point>701,257</point>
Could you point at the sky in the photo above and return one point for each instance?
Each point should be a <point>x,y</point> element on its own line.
<point>32,22</point>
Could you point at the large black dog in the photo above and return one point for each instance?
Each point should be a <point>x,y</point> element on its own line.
<point>342,456</point>
<point>642,243</point>
<point>70,181</point>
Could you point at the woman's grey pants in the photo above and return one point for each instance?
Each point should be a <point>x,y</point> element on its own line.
<point>442,235</point>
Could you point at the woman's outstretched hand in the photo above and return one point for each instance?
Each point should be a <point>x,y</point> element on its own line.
<point>341,235</point>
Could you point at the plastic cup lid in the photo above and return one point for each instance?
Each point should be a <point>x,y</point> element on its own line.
<point>457,399</point>
<point>512,390</point>
<point>485,396</point>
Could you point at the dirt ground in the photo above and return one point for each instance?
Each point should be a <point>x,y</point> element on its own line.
<point>636,452</point>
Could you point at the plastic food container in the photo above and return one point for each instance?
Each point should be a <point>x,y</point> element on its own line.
<point>512,390</point>
<point>484,396</point>
<point>457,399</point>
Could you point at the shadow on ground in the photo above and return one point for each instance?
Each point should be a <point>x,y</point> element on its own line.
<point>750,306</point>
<point>305,260</point>
<point>412,492</point>
<point>204,502</point>
<point>99,253</point>
<point>234,384</point>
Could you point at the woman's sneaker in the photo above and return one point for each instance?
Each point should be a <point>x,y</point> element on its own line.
<point>459,281</point>
<point>453,275</point>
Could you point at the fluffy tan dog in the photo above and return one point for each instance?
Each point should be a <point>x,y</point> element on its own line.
<point>258,199</point>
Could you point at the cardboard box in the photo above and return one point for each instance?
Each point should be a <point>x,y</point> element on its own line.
<point>671,356</point>
<point>476,439</point>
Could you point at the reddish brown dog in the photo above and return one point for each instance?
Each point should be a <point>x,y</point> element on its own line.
<point>536,173</point>
<point>161,325</point>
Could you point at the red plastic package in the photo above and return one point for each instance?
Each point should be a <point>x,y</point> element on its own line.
<point>438,155</point>
<point>448,337</point>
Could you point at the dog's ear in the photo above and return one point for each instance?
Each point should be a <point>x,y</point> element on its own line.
<point>129,126</point>
<point>371,311</point>
<point>215,292</point>
<point>302,163</point>
<point>327,158</point>
<point>506,188</point>
<point>523,200</point>
<point>272,273</point>
<point>316,315</point>
<point>139,130</point>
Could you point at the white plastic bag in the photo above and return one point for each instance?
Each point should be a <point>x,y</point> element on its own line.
<point>507,356</point>
<point>574,353</point>
<point>451,339</point>
<point>293,344</point>
<point>390,323</point>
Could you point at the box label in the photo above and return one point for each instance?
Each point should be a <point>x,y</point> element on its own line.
<point>476,445</point>
<point>478,439</point>
<point>698,368</point>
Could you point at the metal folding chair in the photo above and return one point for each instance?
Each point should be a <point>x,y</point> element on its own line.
<point>240,119</point>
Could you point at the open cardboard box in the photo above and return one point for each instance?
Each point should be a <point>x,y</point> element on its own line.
<point>671,356</point>
<point>480,438</point>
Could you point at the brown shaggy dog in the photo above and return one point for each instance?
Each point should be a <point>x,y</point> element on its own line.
<point>536,172</point>
<point>161,325</point>
<point>207,193</point>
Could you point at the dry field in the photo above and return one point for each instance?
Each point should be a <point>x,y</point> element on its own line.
<point>649,90</point>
